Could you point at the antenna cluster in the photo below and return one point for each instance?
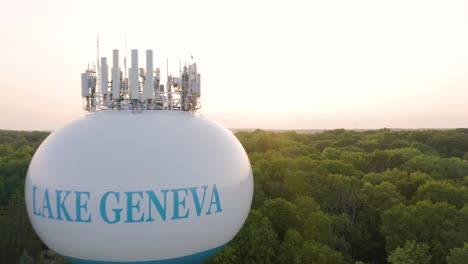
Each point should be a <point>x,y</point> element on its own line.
<point>142,89</point>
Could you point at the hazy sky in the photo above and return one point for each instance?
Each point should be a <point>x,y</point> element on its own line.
<point>264,64</point>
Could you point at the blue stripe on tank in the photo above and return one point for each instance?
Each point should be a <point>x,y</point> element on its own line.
<point>195,258</point>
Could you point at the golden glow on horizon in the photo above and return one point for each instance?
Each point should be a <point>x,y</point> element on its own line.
<point>295,64</point>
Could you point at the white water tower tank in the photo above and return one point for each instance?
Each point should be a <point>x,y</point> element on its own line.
<point>147,186</point>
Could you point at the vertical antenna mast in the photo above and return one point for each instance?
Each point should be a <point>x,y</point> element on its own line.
<point>125,59</point>
<point>98,67</point>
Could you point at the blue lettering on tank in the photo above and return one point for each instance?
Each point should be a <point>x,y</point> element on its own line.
<point>61,205</point>
<point>153,199</point>
<point>136,206</point>
<point>102,207</point>
<point>179,203</point>
<point>34,202</point>
<point>46,205</point>
<point>82,207</point>
<point>198,206</point>
<point>131,206</point>
<point>215,201</point>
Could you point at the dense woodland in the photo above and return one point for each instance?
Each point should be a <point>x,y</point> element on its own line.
<point>337,196</point>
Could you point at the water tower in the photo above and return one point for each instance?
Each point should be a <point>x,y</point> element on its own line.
<point>143,177</point>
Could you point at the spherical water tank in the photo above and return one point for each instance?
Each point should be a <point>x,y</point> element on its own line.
<point>150,187</point>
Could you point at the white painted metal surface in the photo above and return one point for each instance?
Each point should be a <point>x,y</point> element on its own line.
<point>180,155</point>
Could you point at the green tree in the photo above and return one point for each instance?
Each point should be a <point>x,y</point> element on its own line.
<point>313,252</point>
<point>440,225</point>
<point>410,253</point>
<point>17,236</point>
<point>256,242</point>
<point>454,168</point>
<point>381,160</point>
<point>226,256</point>
<point>297,183</point>
<point>406,183</point>
<point>331,153</point>
<point>429,164</point>
<point>282,215</point>
<point>318,227</point>
<point>339,167</point>
<point>458,255</point>
<point>450,142</point>
<point>365,237</point>
<point>339,194</point>
<point>305,205</point>
<point>358,159</point>
<point>443,191</point>
<point>290,247</point>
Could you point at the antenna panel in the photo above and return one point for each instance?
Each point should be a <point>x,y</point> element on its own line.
<point>84,84</point>
<point>134,83</point>
<point>115,75</point>
<point>104,76</point>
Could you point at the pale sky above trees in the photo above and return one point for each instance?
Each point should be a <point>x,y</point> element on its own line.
<point>264,64</point>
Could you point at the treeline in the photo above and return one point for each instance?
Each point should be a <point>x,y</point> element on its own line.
<point>338,196</point>
<point>355,197</point>
<point>17,238</point>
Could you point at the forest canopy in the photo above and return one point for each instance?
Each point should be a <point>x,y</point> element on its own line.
<point>338,196</point>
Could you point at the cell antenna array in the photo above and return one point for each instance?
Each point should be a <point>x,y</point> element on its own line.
<point>142,90</point>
